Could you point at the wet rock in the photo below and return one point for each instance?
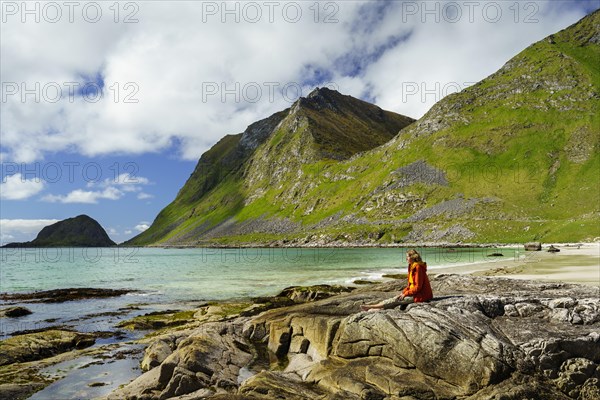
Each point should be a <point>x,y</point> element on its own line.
<point>14,312</point>
<point>97,384</point>
<point>13,391</point>
<point>157,320</point>
<point>62,295</point>
<point>35,346</point>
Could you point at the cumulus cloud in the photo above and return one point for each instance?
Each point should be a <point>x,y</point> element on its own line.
<point>16,187</point>
<point>21,230</point>
<point>141,227</point>
<point>85,196</point>
<point>183,77</point>
<point>125,179</point>
<point>110,189</point>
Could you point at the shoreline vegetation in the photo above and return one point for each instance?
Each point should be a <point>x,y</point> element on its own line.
<point>162,333</point>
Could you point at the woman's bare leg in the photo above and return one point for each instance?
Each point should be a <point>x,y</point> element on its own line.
<point>368,307</point>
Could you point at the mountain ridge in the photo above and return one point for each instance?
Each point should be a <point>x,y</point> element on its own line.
<point>297,130</point>
<point>512,158</point>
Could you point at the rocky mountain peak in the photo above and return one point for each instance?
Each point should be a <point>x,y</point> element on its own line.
<point>319,99</point>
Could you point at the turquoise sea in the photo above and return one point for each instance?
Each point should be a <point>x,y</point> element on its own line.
<point>211,274</point>
<point>168,279</point>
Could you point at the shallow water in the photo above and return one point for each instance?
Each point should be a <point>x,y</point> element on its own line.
<point>91,377</point>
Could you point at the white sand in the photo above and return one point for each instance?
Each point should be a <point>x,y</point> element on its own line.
<point>575,263</point>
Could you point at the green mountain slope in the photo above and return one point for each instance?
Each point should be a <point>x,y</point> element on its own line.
<point>513,158</point>
<point>324,126</point>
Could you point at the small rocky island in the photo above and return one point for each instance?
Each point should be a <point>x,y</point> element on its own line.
<point>80,231</point>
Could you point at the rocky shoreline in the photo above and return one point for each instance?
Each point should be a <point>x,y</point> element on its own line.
<point>480,338</point>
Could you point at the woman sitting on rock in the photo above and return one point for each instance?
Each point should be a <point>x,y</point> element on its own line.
<point>417,291</point>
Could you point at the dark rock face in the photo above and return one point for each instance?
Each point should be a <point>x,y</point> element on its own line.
<point>480,338</point>
<point>81,231</point>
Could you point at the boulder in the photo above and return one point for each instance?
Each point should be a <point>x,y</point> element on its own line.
<point>157,352</point>
<point>303,294</point>
<point>14,312</point>
<point>211,356</point>
<point>533,246</point>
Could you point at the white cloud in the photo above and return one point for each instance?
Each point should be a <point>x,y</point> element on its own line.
<point>172,54</point>
<point>16,187</point>
<point>143,196</point>
<point>85,196</point>
<point>112,189</point>
<point>125,179</point>
<point>22,230</point>
<point>141,227</point>
<point>128,232</point>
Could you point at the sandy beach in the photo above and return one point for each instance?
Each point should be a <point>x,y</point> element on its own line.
<point>575,263</point>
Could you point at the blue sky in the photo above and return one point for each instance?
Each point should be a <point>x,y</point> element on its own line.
<point>139,95</point>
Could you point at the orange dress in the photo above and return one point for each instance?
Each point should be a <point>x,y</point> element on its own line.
<point>418,283</point>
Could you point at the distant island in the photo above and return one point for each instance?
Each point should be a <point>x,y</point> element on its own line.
<point>80,231</point>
